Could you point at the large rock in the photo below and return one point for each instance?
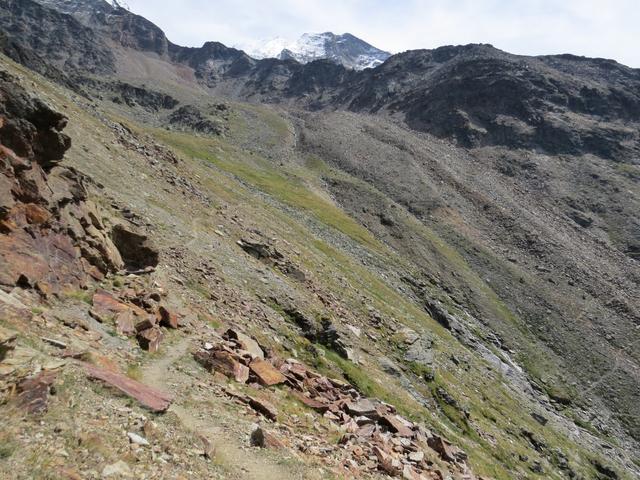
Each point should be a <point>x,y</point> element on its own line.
<point>149,397</point>
<point>266,373</point>
<point>44,208</point>
<point>246,343</point>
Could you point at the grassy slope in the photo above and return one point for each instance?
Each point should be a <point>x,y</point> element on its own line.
<point>496,411</point>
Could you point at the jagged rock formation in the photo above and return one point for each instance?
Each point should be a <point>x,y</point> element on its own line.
<point>52,237</point>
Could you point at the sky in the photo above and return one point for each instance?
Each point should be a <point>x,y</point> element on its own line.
<point>595,28</point>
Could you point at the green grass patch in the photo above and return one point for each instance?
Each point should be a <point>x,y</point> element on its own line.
<point>134,372</point>
<point>287,187</point>
<point>85,296</point>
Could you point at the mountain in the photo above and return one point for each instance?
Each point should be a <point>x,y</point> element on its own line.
<point>435,260</point>
<point>346,50</point>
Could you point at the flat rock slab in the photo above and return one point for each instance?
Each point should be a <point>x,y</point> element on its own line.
<point>246,343</point>
<point>263,407</point>
<point>106,306</point>
<point>397,425</point>
<point>151,398</point>
<point>225,363</point>
<point>310,402</point>
<point>363,407</point>
<point>266,373</point>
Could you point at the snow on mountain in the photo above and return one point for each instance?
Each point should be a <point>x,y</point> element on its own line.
<point>82,8</point>
<point>345,49</point>
<point>265,49</point>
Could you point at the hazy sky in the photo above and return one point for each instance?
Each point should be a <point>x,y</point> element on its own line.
<point>599,28</point>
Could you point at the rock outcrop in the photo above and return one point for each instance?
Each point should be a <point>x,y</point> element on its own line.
<point>52,237</point>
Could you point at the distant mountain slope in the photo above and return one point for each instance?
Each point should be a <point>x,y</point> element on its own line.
<point>526,167</point>
<point>346,50</point>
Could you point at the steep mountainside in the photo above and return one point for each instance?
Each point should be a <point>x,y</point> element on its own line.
<point>453,232</point>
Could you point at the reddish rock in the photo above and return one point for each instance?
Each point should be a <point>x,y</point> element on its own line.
<point>246,343</point>
<point>106,306</point>
<point>150,339</point>
<point>410,473</point>
<point>266,373</point>
<point>35,214</point>
<point>43,244</point>
<point>124,324</point>
<point>151,398</point>
<point>263,407</point>
<point>100,361</point>
<point>397,425</point>
<point>145,324</point>
<point>33,393</point>
<point>27,260</point>
<point>224,362</point>
<point>363,407</point>
<point>167,318</point>
<point>310,402</point>
<point>446,451</point>
<point>264,439</point>
<point>366,431</point>
<point>387,463</point>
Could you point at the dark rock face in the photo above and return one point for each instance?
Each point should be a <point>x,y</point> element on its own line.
<point>51,236</point>
<point>44,35</point>
<point>479,95</point>
<point>191,118</point>
<point>130,95</point>
<point>135,249</point>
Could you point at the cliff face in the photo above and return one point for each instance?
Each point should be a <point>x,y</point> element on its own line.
<point>52,237</point>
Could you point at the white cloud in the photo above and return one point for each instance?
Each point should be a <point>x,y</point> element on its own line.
<point>533,27</point>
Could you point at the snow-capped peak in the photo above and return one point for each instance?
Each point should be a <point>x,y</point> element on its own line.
<point>345,49</point>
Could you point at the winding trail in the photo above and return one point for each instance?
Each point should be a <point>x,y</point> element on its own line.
<point>232,455</point>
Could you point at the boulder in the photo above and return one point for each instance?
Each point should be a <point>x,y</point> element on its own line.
<point>150,339</point>
<point>107,307</point>
<point>124,324</point>
<point>263,407</point>
<point>397,425</point>
<point>225,363</point>
<point>246,343</point>
<point>266,373</point>
<point>136,250</point>
<point>387,463</point>
<point>149,397</point>
<point>33,393</point>
<point>167,318</point>
<point>363,407</point>
<point>264,439</point>
<point>446,451</point>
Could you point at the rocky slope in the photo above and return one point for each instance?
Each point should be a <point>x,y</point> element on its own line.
<point>453,232</point>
